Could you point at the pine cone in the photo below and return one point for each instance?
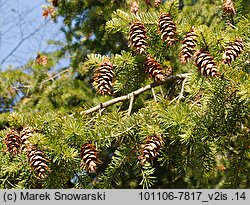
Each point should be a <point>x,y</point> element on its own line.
<point>49,11</point>
<point>232,51</point>
<point>153,68</point>
<point>188,46</point>
<point>134,8</point>
<point>206,64</point>
<point>89,156</point>
<point>42,60</point>
<point>157,2</point>
<point>167,28</point>
<point>137,36</point>
<point>228,7</point>
<point>37,161</point>
<point>104,77</point>
<point>151,148</point>
<point>25,134</point>
<point>13,141</point>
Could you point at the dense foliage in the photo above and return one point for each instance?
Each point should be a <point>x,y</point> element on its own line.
<point>197,126</point>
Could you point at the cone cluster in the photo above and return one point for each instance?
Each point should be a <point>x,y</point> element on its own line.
<point>167,28</point>
<point>188,46</point>
<point>232,51</point>
<point>228,7</point>
<point>37,161</point>
<point>16,142</point>
<point>137,37</point>
<point>89,156</point>
<point>206,64</point>
<point>154,69</point>
<point>104,77</point>
<point>134,8</point>
<point>13,142</point>
<point>151,148</point>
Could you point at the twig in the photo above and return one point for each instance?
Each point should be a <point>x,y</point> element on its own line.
<point>173,100</point>
<point>135,93</point>
<point>182,89</point>
<point>53,77</point>
<point>170,90</point>
<point>153,92</point>
<point>204,40</point>
<point>76,174</point>
<point>170,8</point>
<point>101,110</point>
<point>22,86</point>
<point>123,132</point>
<point>232,19</point>
<point>180,96</point>
<point>181,4</point>
<point>162,93</point>
<point>131,104</point>
<point>231,25</point>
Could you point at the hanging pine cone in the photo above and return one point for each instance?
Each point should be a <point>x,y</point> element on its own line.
<point>167,28</point>
<point>232,51</point>
<point>137,36</point>
<point>206,64</point>
<point>13,141</point>
<point>25,134</point>
<point>89,156</point>
<point>188,46</point>
<point>37,161</point>
<point>153,68</point>
<point>151,148</point>
<point>228,7</point>
<point>49,11</point>
<point>42,60</point>
<point>157,2</point>
<point>104,77</point>
<point>134,8</point>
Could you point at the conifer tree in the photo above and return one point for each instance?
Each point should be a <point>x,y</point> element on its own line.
<point>59,129</point>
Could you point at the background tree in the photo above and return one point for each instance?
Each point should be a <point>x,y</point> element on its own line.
<point>156,97</point>
<point>23,32</point>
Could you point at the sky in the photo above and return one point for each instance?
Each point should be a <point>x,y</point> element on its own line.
<point>24,31</point>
